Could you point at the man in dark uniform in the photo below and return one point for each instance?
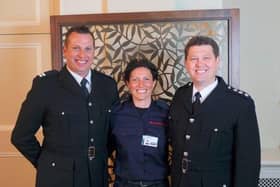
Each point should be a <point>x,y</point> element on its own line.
<point>72,106</point>
<point>213,127</point>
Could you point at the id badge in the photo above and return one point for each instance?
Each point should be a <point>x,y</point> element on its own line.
<point>150,141</point>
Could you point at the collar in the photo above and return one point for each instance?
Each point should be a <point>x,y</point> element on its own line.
<point>205,91</point>
<point>79,78</point>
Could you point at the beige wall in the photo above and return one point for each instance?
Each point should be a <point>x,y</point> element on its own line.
<point>260,66</point>
<point>24,52</point>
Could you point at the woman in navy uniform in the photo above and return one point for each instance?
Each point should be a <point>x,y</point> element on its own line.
<point>74,118</point>
<point>215,140</point>
<point>139,127</point>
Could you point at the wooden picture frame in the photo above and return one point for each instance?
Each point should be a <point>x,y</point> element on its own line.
<point>159,36</point>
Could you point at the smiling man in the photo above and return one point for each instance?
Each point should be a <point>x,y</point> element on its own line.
<point>213,127</point>
<point>73,107</point>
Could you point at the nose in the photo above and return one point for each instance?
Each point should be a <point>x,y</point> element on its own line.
<point>198,61</point>
<point>140,83</point>
<point>82,53</point>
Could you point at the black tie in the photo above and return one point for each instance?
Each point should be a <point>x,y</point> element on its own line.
<point>83,86</point>
<point>196,102</point>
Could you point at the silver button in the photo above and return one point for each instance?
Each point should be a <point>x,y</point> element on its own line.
<point>191,120</point>
<point>216,130</point>
<point>188,137</point>
<point>92,139</point>
<point>224,185</point>
<point>109,110</point>
<point>91,121</point>
<point>62,113</point>
<point>186,153</point>
<point>90,104</point>
<point>53,164</point>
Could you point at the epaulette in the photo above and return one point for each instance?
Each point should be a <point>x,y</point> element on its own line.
<point>48,73</point>
<point>102,74</point>
<point>189,84</point>
<point>162,104</point>
<point>238,92</point>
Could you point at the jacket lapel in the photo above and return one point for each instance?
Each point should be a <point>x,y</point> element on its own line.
<point>214,97</point>
<point>187,98</point>
<point>69,83</point>
<point>94,83</point>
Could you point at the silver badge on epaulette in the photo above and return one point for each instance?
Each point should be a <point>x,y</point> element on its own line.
<point>42,75</point>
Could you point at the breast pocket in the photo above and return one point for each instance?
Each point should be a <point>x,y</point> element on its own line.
<point>216,139</point>
<point>157,135</point>
<point>127,139</point>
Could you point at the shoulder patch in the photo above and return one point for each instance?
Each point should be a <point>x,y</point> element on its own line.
<point>189,84</point>
<point>101,74</point>
<point>238,92</point>
<point>48,73</point>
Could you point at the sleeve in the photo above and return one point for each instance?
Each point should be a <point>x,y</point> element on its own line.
<point>247,148</point>
<point>28,122</point>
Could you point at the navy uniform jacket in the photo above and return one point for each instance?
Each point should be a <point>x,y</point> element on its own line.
<point>134,161</point>
<point>71,123</point>
<point>217,147</point>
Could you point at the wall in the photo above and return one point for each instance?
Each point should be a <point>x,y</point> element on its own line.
<point>24,52</point>
<point>102,6</point>
<point>260,67</point>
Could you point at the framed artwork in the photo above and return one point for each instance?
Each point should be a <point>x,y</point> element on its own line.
<point>157,36</point>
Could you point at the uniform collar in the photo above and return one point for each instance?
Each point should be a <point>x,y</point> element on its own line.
<point>79,78</point>
<point>205,91</point>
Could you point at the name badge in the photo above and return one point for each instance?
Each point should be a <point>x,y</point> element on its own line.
<point>150,141</point>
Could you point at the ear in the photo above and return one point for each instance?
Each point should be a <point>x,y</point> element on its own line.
<point>218,59</point>
<point>64,49</point>
<point>126,83</point>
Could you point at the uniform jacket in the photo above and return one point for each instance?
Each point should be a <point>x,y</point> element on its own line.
<point>217,147</point>
<point>134,159</point>
<point>71,123</point>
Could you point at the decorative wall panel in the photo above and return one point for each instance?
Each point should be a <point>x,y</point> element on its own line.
<point>157,36</point>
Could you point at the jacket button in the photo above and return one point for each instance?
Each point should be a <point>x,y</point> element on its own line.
<point>191,120</point>
<point>188,137</point>
<point>91,121</point>
<point>53,164</point>
<point>90,104</point>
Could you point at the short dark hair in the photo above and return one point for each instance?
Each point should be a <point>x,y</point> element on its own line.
<point>81,29</point>
<point>133,64</point>
<point>202,40</point>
